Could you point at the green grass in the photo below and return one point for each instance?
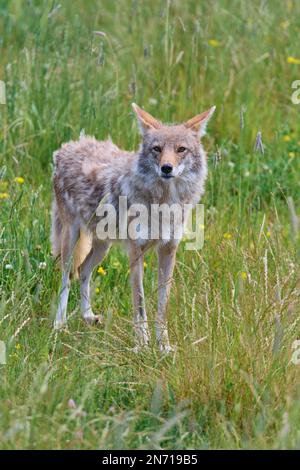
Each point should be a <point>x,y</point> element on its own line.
<point>237,386</point>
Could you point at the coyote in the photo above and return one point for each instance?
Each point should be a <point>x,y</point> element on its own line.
<point>170,167</point>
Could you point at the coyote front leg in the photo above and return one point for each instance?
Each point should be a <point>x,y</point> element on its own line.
<point>166,262</point>
<point>136,274</point>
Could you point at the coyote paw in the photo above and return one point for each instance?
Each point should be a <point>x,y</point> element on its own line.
<point>139,348</point>
<point>93,319</point>
<point>166,349</point>
<point>59,324</point>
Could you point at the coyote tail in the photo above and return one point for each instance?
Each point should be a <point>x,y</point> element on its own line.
<point>82,249</point>
<point>56,231</point>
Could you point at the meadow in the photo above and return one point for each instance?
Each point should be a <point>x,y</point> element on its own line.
<point>234,308</point>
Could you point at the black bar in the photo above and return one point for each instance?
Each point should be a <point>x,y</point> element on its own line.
<point>139,458</point>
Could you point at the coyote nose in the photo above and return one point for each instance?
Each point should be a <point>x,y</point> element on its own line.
<point>167,168</point>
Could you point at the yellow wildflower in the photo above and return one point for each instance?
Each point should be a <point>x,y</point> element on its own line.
<point>19,180</point>
<point>284,24</point>
<point>286,138</point>
<point>268,234</point>
<point>18,346</point>
<point>292,154</point>
<point>293,60</point>
<point>97,290</point>
<point>4,195</point>
<point>243,275</point>
<point>145,264</point>
<point>227,236</point>
<point>101,271</point>
<point>213,42</point>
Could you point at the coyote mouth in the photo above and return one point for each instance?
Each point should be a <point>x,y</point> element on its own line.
<point>167,177</point>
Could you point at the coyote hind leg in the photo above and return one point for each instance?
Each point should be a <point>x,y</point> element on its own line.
<point>69,238</point>
<point>95,256</point>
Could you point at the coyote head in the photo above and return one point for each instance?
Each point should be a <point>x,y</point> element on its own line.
<point>171,151</point>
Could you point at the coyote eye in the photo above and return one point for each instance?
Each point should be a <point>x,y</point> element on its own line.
<point>181,149</point>
<point>157,149</point>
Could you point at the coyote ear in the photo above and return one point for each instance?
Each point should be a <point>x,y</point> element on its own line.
<point>145,120</point>
<point>198,123</point>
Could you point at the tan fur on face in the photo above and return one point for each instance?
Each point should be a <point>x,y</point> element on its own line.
<point>170,139</point>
